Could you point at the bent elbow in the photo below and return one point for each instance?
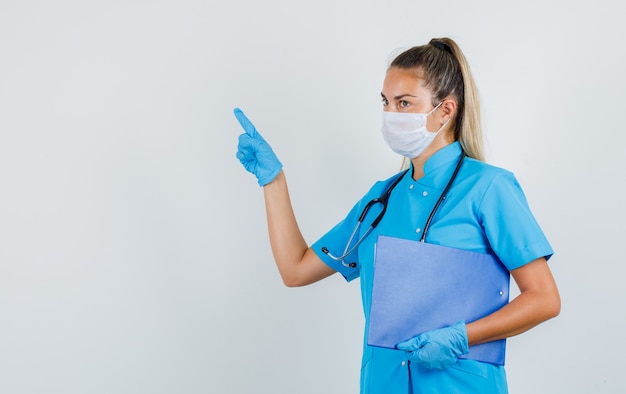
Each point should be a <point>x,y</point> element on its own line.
<point>292,281</point>
<point>550,307</point>
<point>555,306</point>
<point>298,279</point>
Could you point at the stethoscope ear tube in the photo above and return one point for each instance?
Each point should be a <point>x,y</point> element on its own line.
<point>340,258</point>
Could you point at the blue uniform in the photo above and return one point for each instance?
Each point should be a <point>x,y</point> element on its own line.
<point>484,211</point>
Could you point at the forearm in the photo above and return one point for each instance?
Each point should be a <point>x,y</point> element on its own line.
<point>538,301</point>
<point>521,314</point>
<point>288,244</point>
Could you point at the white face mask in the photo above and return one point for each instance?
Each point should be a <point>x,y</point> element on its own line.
<point>406,133</point>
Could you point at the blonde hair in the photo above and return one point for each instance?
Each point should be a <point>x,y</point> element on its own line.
<point>446,72</point>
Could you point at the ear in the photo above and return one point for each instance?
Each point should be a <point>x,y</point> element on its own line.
<point>448,109</point>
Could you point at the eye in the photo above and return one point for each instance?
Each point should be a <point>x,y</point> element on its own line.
<point>385,102</point>
<point>403,103</point>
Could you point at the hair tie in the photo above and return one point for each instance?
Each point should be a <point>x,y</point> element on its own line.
<point>441,45</point>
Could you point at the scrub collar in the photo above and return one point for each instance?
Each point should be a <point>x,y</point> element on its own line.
<point>442,157</point>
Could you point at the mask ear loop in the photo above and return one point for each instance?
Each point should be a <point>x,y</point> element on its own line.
<point>436,106</point>
<point>443,125</point>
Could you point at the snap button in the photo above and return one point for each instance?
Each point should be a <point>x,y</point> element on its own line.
<point>424,193</point>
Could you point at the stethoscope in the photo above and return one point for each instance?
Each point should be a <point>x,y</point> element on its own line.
<point>384,200</point>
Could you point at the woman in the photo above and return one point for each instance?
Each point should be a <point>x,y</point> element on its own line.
<point>431,116</point>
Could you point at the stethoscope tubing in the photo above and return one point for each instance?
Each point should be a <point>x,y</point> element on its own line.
<point>383,199</point>
<point>442,197</point>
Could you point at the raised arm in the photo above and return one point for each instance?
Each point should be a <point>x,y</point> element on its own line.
<point>297,263</point>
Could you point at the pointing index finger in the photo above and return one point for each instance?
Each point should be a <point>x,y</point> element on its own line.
<point>245,122</point>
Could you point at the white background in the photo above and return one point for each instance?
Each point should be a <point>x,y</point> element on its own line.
<point>133,247</point>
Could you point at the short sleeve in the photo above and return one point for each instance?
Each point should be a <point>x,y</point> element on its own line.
<point>511,228</point>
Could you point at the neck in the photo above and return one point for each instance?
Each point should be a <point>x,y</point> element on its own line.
<point>419,161</point>
<point>418,166</point>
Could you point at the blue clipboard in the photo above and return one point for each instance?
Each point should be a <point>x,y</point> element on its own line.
<point>420,287</point>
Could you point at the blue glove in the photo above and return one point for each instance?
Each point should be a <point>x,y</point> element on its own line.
<point>254,153</point>
<point>438,349</point>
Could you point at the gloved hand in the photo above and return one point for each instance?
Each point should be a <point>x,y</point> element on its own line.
<point>439,348</point>
<point>254,153</point>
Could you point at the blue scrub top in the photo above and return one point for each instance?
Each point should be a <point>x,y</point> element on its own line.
<point>484,211</point>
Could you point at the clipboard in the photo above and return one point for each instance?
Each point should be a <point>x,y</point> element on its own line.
<point>419,287</point>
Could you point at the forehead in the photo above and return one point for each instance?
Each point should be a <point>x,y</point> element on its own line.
<point>404,81</point>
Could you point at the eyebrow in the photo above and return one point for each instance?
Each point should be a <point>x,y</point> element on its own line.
<point>400,96</point>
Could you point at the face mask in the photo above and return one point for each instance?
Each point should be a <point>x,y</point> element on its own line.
<point>406,133</point>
